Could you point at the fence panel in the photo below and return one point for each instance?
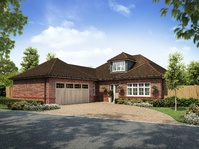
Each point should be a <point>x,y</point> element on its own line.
<point>9,91</point>
<point>185,92</point>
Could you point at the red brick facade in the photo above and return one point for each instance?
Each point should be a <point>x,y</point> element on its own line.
<point>41,89</point>
<point>154,94</point>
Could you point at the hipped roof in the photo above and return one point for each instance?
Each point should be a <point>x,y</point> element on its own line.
<point>143,68</point>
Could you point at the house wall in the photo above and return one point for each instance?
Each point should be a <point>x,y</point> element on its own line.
<point>158,94</point>
<point>35,89</point>
<point>28,89</point>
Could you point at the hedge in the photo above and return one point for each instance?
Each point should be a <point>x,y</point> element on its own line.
<point>9,101</point>
<point>167,102</point>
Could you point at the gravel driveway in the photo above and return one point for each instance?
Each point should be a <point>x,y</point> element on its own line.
<point>113,111</point>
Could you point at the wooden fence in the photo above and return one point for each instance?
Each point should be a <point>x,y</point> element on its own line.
<point>185,92</point>
<point>9,91</point>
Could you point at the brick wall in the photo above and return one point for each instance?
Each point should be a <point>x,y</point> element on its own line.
<point>28,89</point>
<point>35,89</point>
<point>158,94</point>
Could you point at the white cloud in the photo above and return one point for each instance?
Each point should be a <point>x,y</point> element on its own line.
<point>64,35</point>
<point>125,10</point>
<point>184,50</point>
<point>89,57</point>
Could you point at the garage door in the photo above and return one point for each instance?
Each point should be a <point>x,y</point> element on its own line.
<point>72,93</point>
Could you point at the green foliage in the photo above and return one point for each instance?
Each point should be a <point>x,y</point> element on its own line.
<point>50,56</point>
<point>187,13</point>
<point>193,109</point>
<point>30,59</point>
<point>18,105</point>
<point>12,23</point>
<point>193,73</point>
<point>175,74</point>
<point>170,102</point>
<point>9,102</point>
<point>110,93</point>
<point>7,70</point>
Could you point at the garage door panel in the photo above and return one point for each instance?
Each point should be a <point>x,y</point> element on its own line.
<point>72,94</point>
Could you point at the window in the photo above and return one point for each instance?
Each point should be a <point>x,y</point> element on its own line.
<point>59,85</point>
<point>118,66</point>
<point>85,86</point>
<point>138,89</point>
<point>69,85</point>
<point>77,85</point>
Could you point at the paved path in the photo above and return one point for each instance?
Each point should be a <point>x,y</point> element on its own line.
<point>22,130</point>
<point>113,111</point>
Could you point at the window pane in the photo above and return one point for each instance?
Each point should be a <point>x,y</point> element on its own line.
<point>118,66</point>
<point>141,91</point>
<point>85,86</point>
<point>129,91</point>
<point>69,85</point>
<point>141,84</point>
<point>147,84</point>
<point>129,85</point>
<point>135,91</point>
<point>59,85</point>
<point>77,85</point>
<point>147,91</point>
<point>135,84</point>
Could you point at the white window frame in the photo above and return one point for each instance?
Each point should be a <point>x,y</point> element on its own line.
<point>118,66</point>
<point>140,87</point>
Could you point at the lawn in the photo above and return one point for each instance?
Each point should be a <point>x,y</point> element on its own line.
<point>3,106</point>
<point>176,115</point>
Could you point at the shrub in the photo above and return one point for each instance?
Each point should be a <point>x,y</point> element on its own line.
<point>8,102</point>
<point>41,107</point>
<point>191,118</point>
<point>143,104</point>
<point>18,105</point>
<point>170,102</point>
<point>193,109</point>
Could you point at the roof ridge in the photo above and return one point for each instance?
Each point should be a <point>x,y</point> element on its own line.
<point>52,65</point>
<point>73,66</point>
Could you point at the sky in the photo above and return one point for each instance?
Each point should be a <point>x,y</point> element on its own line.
<point>90,32</point>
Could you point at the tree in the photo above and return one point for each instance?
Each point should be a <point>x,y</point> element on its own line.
<point>175,74</point>
<point>193,73</point>
<point>12,22</point>
<point>50,56</point>
<point>7,70</point>
<point>187,13</point>
<point>31,59</point>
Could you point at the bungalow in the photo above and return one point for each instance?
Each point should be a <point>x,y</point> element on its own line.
<point>54,81</point>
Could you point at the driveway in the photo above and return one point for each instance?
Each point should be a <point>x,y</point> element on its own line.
<point>32,130</point>
<point>113,111</point>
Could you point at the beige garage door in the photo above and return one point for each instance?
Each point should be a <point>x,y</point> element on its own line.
<point>72,93</point>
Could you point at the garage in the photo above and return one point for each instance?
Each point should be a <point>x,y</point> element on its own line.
<point>72,93</point>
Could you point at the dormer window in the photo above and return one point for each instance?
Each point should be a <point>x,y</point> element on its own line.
<point>118,66</point>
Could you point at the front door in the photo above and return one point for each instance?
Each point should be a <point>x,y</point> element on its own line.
<point>115,91</point>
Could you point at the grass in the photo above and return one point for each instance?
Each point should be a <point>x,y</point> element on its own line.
<point>3,106</point>
<point>176,115</point>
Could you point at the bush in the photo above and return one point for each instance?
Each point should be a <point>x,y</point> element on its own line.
<point>170,102</point>
<point>143,104</point>
<point>191,118</point>
<point>9,102</point>
<point>18,105</point>
<point>41,107</point>
<point>133,102</point>
<point>193,109</point>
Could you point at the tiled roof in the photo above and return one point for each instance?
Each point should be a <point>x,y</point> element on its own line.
<point>143,68</point>
<point>57,68</point>
<point>122,56</point>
